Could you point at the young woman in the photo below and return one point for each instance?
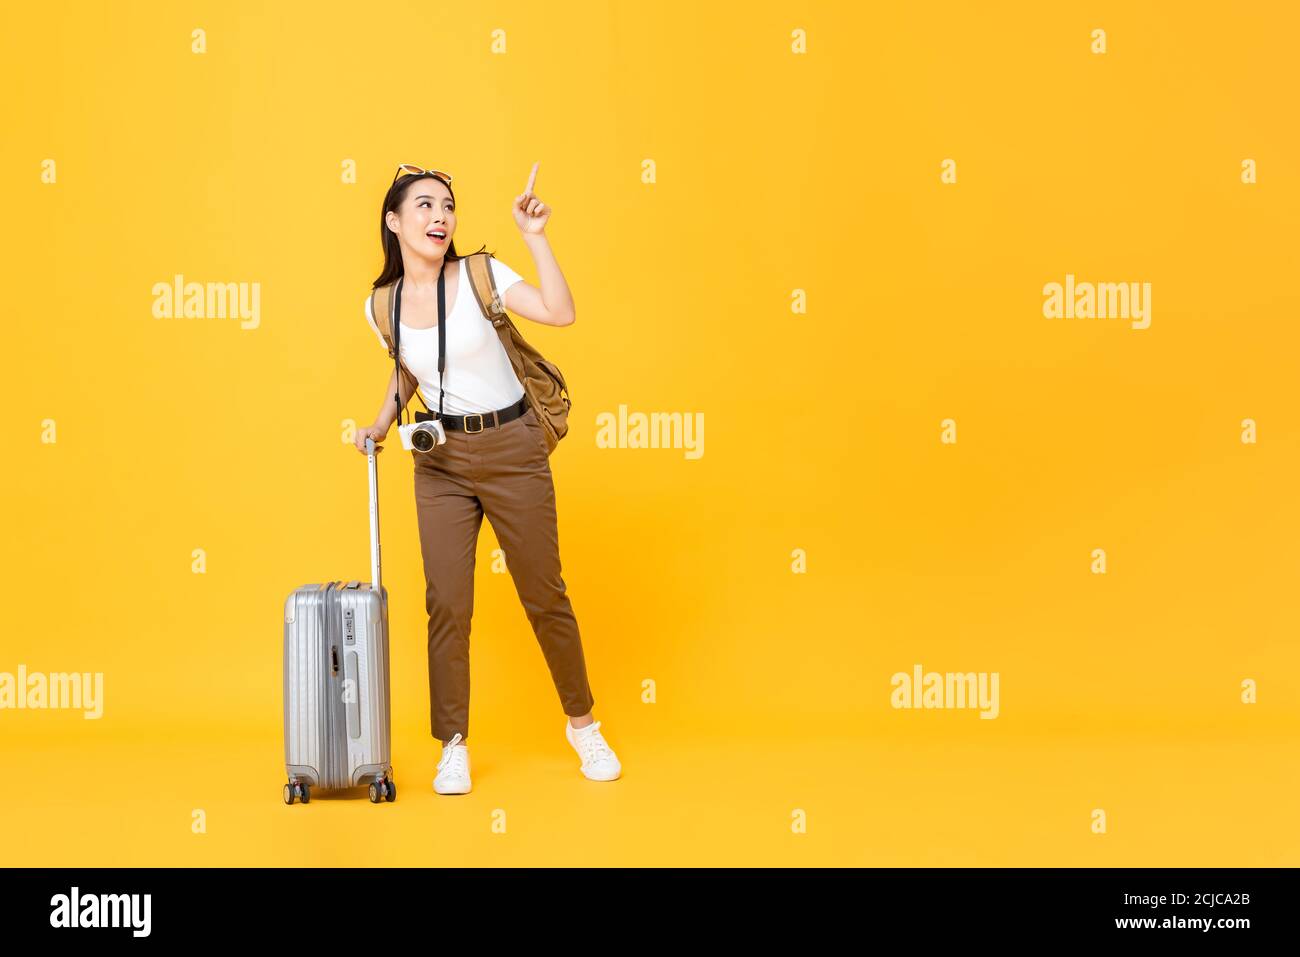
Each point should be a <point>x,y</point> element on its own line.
<point>494,462</point>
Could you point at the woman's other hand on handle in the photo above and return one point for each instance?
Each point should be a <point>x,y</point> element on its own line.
<point>370,431</point>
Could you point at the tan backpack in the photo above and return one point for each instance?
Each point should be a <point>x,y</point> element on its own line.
<point>543,383</point>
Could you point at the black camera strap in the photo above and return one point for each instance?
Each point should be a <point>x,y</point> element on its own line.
<point>397,347</point>
<point>442,329</point>
<point>397,339</point>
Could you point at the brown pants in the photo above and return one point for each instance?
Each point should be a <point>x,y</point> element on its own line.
<point>505,473</point>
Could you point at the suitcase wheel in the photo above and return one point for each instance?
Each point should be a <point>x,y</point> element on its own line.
<point>297,790</point>
<point>381,790</point>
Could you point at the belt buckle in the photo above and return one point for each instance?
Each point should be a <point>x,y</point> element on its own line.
<point>471,415</point>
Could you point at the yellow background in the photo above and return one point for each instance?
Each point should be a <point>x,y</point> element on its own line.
<point>775,172</point>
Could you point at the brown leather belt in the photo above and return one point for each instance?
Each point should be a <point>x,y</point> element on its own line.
<point>477,421</point>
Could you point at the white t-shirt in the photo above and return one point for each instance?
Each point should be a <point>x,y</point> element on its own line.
<point>477,374</point>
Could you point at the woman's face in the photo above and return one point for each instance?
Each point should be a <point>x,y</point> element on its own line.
<point>427,208</point>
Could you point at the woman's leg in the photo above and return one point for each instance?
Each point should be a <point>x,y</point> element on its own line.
<point>449,517</point>
<point>514,485</point>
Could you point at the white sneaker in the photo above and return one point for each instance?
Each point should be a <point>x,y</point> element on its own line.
<point>453,768</point>
<point>599,763</point>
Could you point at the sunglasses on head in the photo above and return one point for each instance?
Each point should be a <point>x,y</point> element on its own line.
<point>412,169</point>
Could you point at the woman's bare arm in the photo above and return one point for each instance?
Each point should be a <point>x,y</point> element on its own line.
<point>387,410</point>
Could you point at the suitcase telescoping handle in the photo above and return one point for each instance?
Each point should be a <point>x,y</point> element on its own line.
<point>371,458</point>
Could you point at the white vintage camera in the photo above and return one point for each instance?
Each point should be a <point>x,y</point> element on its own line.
<point>422,436</point>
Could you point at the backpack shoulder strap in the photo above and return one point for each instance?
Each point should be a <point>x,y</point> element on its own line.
<point>381,307</point>
<point>485,291</point>
<point>485,288</point>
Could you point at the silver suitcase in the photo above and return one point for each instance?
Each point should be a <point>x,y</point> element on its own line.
<point>336,690</point>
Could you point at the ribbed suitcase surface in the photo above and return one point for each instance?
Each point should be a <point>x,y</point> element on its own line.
<point>336,705</point>
<point>337,713</point>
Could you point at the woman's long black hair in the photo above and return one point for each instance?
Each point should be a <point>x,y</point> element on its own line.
<point>393,268</point>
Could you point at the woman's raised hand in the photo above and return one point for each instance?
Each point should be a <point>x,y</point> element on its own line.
<point>530,212</point>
